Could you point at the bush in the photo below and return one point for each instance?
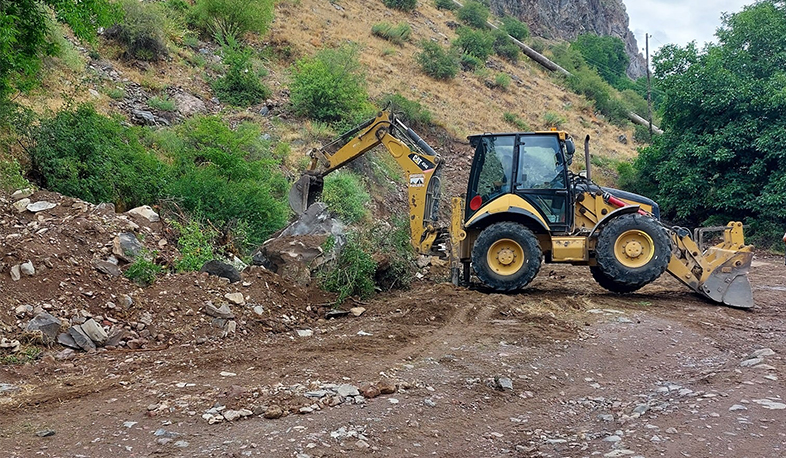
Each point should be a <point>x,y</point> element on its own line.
<point>516,121</point>
<point>552,119</point>
<point>437,62</point>
<point>398,34</point>
<point>641,134</point>
<point>352,274</point>
<point>403,5</point>
<point>83,154</point>
<point>330,86</point>
<point>409,111</point>
<point>227,177</point>
<point>476,43</point>
<point>345,196</point>
<point>515,28</point>
<point>446,5</point>
<point>502,80</point>
<point>143,270</point>
<point>11,177</point>
<point>474,14</point>
<point>469,63</point>
<point>504,46</point>
<point>396,244</point>
<point>233,17</point>
<point>195,242</point>
<point>161,103</point>
<point>240,85</point>
<point>142,31</point>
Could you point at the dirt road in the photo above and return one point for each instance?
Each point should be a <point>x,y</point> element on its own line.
<point>563,369</point>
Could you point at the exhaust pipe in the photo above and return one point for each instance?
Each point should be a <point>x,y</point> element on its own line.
<point>587,157</point>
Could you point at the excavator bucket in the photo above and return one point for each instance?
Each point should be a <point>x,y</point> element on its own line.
<point>304,192</point>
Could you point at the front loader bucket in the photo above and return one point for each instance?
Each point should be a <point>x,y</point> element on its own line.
<point>729,283</point>
<point>304,192</point>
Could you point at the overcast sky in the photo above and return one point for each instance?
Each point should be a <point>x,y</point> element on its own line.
<point>678,21</point>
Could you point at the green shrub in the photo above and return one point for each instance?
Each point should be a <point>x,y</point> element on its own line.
<point>227,177</point>
<point>449,5</point>
<point>161,103</point>
<point>641,134</point>
<point>634,102</point>
<point>240,84</point>
<point>352,274</point>
<point>398,34</point>
<point>403,5</point>
<point>83,154</point>
<point>116,93</point>
<point>11,177</point>
<point>469,62</point>
<point>538,45</point>
<point>330,86</point>
<point>437,62</point>
<point>410,112</point>
<point>515,28</point>
<point>504,46</point>
<point>24,356</point>
<point>395,242</point>
<point>142,31</point>
<point>232,17</point>
<point>143,270</point>
<point>195,242</point>
<point>502,80</point>
<point>552,119</point>
<point>476,43</point>
<point>346,196</point>
<point>474,14</point>
<point>516,121</point>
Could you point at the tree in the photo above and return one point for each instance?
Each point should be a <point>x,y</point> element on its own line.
<point>25,34</point>
<point>606,55</point>
<point>723,153</point>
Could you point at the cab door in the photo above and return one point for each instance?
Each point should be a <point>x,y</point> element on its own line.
<point>542,178</point>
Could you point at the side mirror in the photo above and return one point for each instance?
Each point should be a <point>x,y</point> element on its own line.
<point>570,148</point>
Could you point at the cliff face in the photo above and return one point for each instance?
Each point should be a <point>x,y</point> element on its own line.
<point>566,19</point>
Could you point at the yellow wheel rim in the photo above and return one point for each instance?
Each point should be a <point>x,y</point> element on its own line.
<point>505,257</point>
<point>634,248</point>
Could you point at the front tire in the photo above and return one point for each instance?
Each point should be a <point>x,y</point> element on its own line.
<point>632,251</point>
<point>506,256</point>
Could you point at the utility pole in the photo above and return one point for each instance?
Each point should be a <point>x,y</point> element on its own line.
<point>649,89</point>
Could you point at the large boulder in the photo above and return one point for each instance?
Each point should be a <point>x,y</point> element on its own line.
<point>47,324</point>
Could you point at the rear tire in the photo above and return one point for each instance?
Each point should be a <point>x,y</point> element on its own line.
<point>632,251</point>
<point>506,256</point>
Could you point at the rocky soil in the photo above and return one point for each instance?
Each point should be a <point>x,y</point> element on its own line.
<point>196,365</point>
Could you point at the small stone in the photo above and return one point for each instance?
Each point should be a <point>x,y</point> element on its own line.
<point>221,269</point>
<point>361,444</point>
<point>227,374</point>
<point>357,311</point>
<point>369,391</point>
<point>8,388</point>
<point>41,206</point>
<point>606,417</point>
<point>22,193</point>
<point>81,338</point>
<point>259,310</point>
<point>762,352</point>
<point>26,268</point>
<point>618,453</point>
<point>16,273</point>
<point>346,390</point>
<point>503,384</point>
<point>181,444</point>
<point>751,362</point>
<point>107,267</point>
<point>671,431</point>
<point>305,332</point>
<point>145,212</point>
<point>221,312</point>
<point>129,424</point>
<point>95,332</point>
<point>273,412</point>
<point>770,404</point>
<point>231,415</point>
<point>21,205</point>
<point>393,400</point>
<point>613,438</point>
<point>45,433</point>
<point>22,310</point>
<point>737,407</point>
<point>386,387</point>
<point>126,246</point>
<point>66,340</point>
<point>235,298</point>
<point>305,410</point>
<point>429,402</point>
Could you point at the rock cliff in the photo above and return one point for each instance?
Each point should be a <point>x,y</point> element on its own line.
<point>566,19</point>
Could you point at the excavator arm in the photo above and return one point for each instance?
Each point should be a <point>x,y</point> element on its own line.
<point>416,158</point>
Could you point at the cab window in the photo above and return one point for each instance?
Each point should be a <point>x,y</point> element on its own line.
<point>540,163</point>
<point>496,166</point>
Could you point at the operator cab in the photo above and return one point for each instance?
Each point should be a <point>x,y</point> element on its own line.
<point>533,166</point>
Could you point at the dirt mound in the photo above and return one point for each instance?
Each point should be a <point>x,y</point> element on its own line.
<point>65,260</point>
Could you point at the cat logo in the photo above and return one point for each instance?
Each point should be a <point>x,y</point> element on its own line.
<point>416,180</point>
<point>424,164</point>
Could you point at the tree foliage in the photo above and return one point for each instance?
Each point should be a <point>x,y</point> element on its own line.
<point>25,36</point>
<point>606,55</point>
<point>723,154</point>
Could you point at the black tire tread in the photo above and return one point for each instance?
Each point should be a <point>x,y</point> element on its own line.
<point>611,274</point>
<point>524,237</point>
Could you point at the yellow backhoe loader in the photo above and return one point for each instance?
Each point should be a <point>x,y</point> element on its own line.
<point>524,206</point>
